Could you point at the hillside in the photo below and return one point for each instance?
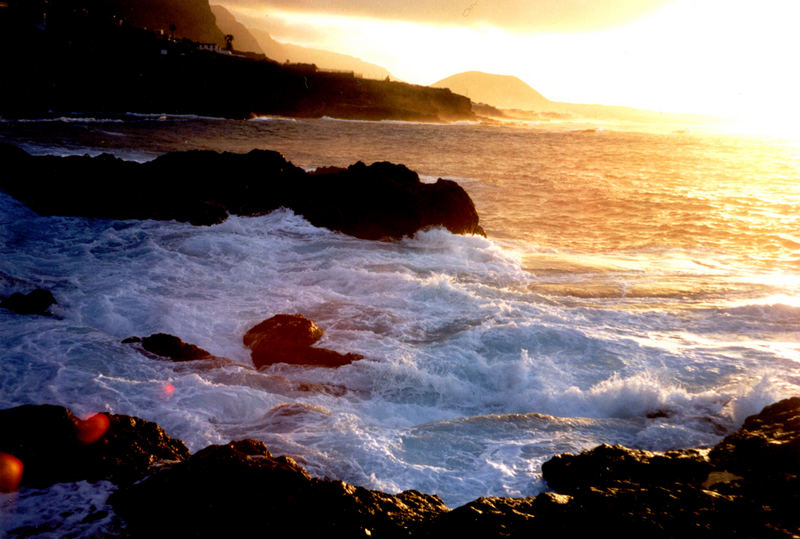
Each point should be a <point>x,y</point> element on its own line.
<point>84,60</point>
<point>283,52</point>
<point>243,40</point>
<point>519,101</point>
<point>503,91</point>
<point>193,19</point>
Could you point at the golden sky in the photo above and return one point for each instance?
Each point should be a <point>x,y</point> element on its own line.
<point>732,57</point>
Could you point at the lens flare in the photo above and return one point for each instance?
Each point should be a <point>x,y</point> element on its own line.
<point>167,390</point>
<point>92,428</point>
<point>10,472</point>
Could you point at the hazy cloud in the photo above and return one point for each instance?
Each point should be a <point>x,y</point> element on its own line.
<point>516,15</point>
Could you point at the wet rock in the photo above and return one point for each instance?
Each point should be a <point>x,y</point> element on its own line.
<point>767,446</point>
<point>283,330</point>
<point>166,346</point>
<point>55,446</point>
<point>380,201</point>
<point>287,338</point>
<point>608,466</point>
<point>383,201</point>
<point>240,488</point>
<point>36,302</point>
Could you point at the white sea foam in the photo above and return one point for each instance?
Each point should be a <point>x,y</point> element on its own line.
<point>483,357</point>
<point>63,510</point>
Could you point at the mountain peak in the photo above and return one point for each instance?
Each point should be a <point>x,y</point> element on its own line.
<point>503,91</point>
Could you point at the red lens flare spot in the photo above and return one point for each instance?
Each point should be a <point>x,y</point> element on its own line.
<point>10,472</point>
<point>167,390</point>
<point>92,428</point>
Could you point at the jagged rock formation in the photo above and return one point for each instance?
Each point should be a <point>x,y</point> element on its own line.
<point>55,446</point>
<point>746,486</point>
<point>202,187</point>
<point>238,488</point>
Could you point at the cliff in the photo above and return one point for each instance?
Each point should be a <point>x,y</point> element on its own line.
<point>79,61</point>
<point>243,40</point>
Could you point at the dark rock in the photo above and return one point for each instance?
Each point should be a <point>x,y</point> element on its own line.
<point>385,200</point>
<point>767,446</point>
<point>171,347</point>
<point>56,446</point>
<point>380,201</point>
<point>35,302</point>
<point>484,518</point>
<point>287,338</point>
<point>239,488</point>
<point>166,346</point>
<point>608,466</point>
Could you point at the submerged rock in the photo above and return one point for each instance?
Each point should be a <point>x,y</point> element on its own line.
<point>239,488</point>
<point>55,446</point>
<point>287,338</point>
<point>379,201</point>
<point>36,302</point>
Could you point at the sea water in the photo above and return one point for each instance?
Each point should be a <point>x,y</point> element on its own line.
<point>634,287</point>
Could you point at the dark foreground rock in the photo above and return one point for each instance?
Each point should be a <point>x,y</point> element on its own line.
<point>287,338</point>
<point>238,489</point>
<point>379,201</point>
<point>55,446</point>
<point>746,486</point>
<point>35,302</point>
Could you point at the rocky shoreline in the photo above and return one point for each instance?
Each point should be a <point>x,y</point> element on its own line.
<point>379,201</point>
<point>745,486</point>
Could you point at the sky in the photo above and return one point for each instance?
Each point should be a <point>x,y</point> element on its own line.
<point>729,57</point>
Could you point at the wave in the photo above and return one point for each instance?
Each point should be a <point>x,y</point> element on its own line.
<point>273,119</point>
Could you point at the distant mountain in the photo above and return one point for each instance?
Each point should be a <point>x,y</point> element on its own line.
<point>503,91</point>
<point>243,40</point>
<point>282,52</point>
<point>517,100</point>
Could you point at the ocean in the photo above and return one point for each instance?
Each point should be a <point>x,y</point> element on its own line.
<point>634,287</point>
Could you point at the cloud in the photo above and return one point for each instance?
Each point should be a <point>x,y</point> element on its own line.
<point>513,15</point>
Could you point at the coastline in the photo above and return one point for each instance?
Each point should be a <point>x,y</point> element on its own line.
<point>79,63</point>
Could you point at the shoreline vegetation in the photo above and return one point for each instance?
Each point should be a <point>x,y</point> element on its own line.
<point>745,486</point>
<point>86,59</point>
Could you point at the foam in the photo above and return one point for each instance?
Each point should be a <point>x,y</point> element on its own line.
<point>472,377</point>
<point>63,510</point>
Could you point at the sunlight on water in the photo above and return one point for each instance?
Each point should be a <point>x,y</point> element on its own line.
<point>635,287</point>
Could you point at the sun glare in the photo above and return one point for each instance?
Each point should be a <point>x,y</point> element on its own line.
<point>719,57</point>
